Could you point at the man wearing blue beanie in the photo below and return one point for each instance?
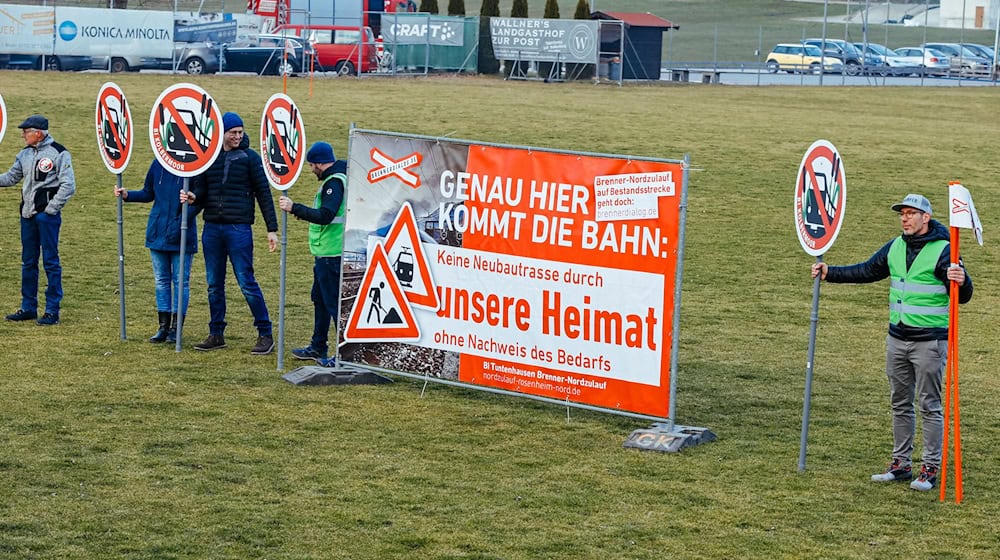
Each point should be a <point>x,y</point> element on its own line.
<point>225,193</point>
<point>326,242</point>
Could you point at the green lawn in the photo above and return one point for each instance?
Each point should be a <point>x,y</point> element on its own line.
<point>112,449</point>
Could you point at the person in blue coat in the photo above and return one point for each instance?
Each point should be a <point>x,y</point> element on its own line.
<point>163,239</point>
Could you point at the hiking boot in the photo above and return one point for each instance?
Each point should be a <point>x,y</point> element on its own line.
<point>48,319</point>
<point>308,353</point>
<point>265,344</point>
<point>22,315</point>
<point>896,472</point>
<point>926,480</point>
<point>213,342</point>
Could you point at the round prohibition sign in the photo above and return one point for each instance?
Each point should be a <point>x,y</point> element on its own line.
<point>185,129</point>
<point>114,127</point>
<point>820,197</point>
<point>3,118</point>
<point>282,141</point>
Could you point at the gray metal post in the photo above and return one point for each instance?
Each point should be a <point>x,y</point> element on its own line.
<point>807,401</point>
<point>281,295</point>
<point>121,263</point>
<point>822,48</point>
<point>181,267</point>
<point>678,276</point>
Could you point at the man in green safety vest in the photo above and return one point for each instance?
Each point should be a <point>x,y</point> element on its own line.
<point>920,272</point>
<point>326,242</point>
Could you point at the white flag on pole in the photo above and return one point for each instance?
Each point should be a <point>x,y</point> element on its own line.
<point>962,212</point>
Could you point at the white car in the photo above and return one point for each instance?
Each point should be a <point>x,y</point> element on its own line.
<point>931,61</point>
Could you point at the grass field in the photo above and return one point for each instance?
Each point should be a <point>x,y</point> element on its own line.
<point>112,449</point>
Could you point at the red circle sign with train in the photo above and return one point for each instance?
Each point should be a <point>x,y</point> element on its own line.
<point>114,127</point>
<point>282,141</point>
<point>820,197</point>
<point>185,129</point>
<point>3,118</point>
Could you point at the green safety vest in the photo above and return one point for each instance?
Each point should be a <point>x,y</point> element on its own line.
<point>328,240</point>
<point>916,297</point>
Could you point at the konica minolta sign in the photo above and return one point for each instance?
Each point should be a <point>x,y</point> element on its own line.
<point>99,32</point>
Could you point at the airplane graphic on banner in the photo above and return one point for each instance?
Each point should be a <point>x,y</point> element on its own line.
<point>381,311</point>
<point>409,262</point>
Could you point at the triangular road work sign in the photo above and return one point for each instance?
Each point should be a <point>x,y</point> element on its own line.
<point>381,312</point>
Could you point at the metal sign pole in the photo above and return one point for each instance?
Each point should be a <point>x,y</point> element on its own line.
<point>281,296</point>
<point>181,267</point>
<point>807,401</point>
<point>121,263</point>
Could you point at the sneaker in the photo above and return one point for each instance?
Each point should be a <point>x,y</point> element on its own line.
<point>265,344</point>
<point>308,353</point>
<point>213,342</point>
<point>22,315</point>
<point>49,319</point>
<point>896,472</point>
<point>327,362</point>
<point>926,480</point>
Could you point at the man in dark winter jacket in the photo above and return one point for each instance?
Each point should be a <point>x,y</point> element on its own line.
<point>326,242</point>
<point>49,182</point>
<point>918,265</point>
<point>225,193</point>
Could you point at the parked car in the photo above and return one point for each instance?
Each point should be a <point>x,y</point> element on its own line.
<point>930,61</point>
<point>887,61</point>
<point>852,58</point>
<point>193,58</point>
<point>48,62</point>
<point>979,50</point>
<point>963,61</point>
<point>337,46</point>
<point>265,54</point>
<point>798,57</point>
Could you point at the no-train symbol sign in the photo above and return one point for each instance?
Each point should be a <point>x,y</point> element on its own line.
<point>185,129</point>
<point>820,197</point>
<point>114,128</point>
<point>282,141</point>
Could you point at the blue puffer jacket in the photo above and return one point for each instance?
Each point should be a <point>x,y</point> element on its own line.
<point>226,191</point>
<point>163,230</point>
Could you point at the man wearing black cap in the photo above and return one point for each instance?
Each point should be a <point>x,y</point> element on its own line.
<point>326,242</point>
<point>918,263</point>
<point>49,182</point>
<point>225,193</point>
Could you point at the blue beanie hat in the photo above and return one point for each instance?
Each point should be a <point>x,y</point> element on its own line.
<point>231,120</point>
<point>320,152</point>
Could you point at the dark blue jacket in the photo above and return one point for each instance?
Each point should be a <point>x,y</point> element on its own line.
<point>226,191</point>
<point>163,230</point>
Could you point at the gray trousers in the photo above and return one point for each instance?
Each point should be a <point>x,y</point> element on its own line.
<point>915,369</point>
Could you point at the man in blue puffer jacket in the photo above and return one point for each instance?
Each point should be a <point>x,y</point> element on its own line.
<point>163,239</point>
<point>226,193</point>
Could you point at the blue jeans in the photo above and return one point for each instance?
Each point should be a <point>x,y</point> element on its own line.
<point>232,242</point>
<point>326,300</point>
<point>40,236</point>
<point>165,268</point>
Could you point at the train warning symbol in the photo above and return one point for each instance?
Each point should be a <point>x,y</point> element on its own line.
<point>114,127</point>
<point>185,129</point>
<point>3,118</point>
<point>409,262</point>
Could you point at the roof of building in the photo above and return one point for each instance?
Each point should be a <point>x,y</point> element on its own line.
<point>637,20</point>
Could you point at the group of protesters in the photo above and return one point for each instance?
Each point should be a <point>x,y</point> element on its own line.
<point>226,194</point>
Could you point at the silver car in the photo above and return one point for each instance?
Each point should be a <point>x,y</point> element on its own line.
<point>192,58</point>
<point>963,61</point>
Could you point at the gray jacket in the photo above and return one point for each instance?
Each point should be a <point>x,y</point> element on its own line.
<point>47,171</point>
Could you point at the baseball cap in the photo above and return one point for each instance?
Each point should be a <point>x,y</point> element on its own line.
<point>916,201</point>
